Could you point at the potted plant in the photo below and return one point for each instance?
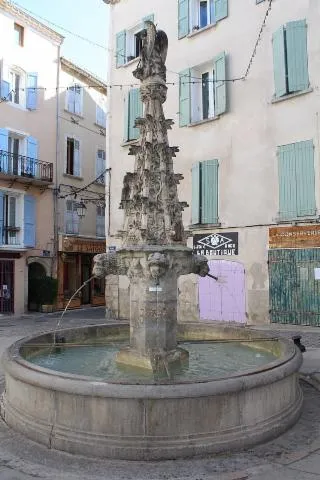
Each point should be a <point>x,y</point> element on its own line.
<point>43,291</point>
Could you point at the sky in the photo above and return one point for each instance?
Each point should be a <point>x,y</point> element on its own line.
<point>87,18</point>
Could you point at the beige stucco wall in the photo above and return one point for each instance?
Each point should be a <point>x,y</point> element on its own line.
<point>39,54</point>
<point>245,139</point>
<point>91,137</point>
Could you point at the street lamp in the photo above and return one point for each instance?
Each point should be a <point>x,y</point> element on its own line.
<point>81,210</point>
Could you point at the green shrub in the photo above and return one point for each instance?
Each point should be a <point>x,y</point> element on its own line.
<point>43,291</point>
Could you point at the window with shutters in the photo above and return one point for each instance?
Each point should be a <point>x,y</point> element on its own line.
<point>129,42</point>
<point>18,35</point>
<point>194,15</point>
<point>101,116</point>
<point>100,166</point>
<point>133,110</point>
<point>100,221</point>
<point>10,218</point>
<point>203,93</point>
<point>204,207</point>
<point>290,58</point>
<point>71,218</point>
<point>74,99</point>
<point>73,157</point>
<point>17,82</point>
<point>296,180</point>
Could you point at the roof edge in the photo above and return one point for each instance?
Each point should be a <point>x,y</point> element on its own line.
<point>100,84</point>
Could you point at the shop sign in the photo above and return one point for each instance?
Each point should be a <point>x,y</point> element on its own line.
<point>303,236</point>
<point>216,244</point>
<point>77,245</point>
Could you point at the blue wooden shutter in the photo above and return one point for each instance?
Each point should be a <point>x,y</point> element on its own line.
<point>121,48</point>
<point>220,9</point>
<point>149,18</point>
<point>32,154</point>
<point>5,87</point>
<point>100,116</point>
<point>76,159</point>
<point>297,55</point>
<point>70,99</point>
<point>209,191</point>
<point>126,118</point>
<point>279,62</point>
<point>195,204</point>
<point>287,182</point>
<point>184,98</point>
<point>220,88</point>
<point>77,99</point>
<point>29,221</point>
<point>135,111</point>
<point>4,138</point>
<point>183,18</point>
<point>1,217</point>
<point>305,177</point>
<point>212,12</point>
<point>32,92</point>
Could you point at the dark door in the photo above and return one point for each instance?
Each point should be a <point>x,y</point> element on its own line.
<point>85,275</point>
<point>6,286</point>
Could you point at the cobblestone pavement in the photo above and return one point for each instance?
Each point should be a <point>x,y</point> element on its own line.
<point>292,456</point>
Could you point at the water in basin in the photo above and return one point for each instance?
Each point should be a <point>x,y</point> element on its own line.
<point>207,360</point>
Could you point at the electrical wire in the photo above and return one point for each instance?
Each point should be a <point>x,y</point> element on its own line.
<point>76,191</point>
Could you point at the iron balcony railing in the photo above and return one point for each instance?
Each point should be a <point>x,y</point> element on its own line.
<point>27,167</point>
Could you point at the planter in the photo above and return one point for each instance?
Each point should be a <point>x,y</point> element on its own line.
<point>47,308</point>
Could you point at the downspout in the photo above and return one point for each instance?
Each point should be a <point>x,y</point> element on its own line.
<point>55,194</point>
<point>108,129</point>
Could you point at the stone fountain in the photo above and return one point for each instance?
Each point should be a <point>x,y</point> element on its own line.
<point>154,252</point>
<point>179,409</point>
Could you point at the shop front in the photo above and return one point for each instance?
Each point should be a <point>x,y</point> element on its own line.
<point>294,273</point>
<point>75,265</point>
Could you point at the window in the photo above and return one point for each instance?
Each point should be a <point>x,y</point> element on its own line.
<point>74,99</point>
<point>197,14</point>
<point>290,58</point>
<point>13,208</point>
<point>100,221</point>
<point>15,82</point>
<point>101,166</point>
<point>73,157</point>
<point>10,227</point>
<point>71,218</point>
<point>205,192</point>
<point>203,91</point>
<point>18,154</point>
<point>129,42</point>
<point>18,34</point>
<point>134,110</point>
<point>100,116</point>
<point>296,180</point>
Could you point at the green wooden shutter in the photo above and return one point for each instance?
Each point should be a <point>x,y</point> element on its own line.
<point>184,98</point>
<point>287,182</point>
<point>297,55</point>
<point>183,18</point>
<point>209,191</point>
<point>279,63</point>
<point>220,89</point>
<point>121,48</point>
<point>149,18</point>
<point>221,9</point>
<point>195,204</point>
<point>135,111</point>
<point>304,159</point>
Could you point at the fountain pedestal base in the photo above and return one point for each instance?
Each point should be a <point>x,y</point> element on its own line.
<point>159,362</point>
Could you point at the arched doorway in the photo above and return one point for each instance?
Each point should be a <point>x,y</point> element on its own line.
<point>223,300</point>
<point>35,272</point>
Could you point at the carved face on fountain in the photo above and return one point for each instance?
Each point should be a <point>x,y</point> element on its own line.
<point>158,264</point>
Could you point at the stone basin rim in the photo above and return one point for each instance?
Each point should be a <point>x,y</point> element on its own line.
<point>21,369</point>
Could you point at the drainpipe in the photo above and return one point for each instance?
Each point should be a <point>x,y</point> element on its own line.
<point>108,129</point>
<point>55,195</point>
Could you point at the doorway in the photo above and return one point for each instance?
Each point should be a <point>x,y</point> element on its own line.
<point>6,286</point>
<point>223,300</point>
<point>86,266</point>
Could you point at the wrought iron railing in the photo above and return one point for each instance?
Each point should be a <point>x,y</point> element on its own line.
<point>14,164</point>
<point>11,235</point>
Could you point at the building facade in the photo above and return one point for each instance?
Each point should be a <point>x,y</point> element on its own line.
<point>81,173</point>
<point>247,124</point>
<point>29,59</point>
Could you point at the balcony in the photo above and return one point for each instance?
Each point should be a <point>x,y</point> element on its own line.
<point>11,236</point>
<point>25,169</point>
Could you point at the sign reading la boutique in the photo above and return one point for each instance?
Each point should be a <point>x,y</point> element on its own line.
<point>216,244</point>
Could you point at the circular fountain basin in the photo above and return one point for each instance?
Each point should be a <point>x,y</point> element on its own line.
<point>134,417</point>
